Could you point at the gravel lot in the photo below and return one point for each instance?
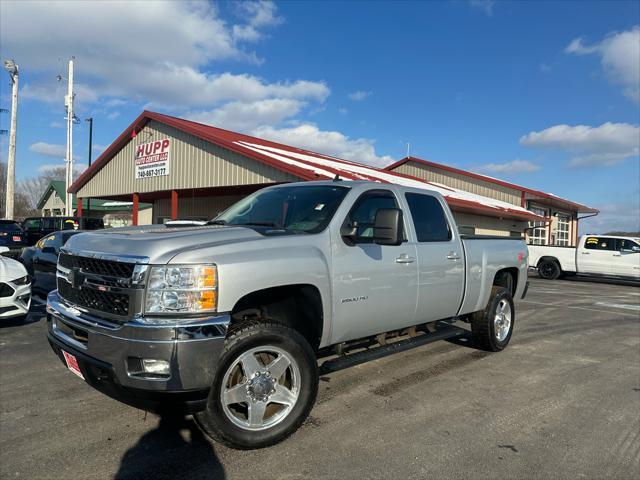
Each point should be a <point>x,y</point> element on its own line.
<point>563,401</point>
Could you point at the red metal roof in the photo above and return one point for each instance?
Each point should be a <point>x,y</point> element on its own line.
<point>534,193</point>
<point>303,164</point>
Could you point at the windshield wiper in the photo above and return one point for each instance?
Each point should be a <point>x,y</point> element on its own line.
<point>259,224</point>
<point>217,222</point>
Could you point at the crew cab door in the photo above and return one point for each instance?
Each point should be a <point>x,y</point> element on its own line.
<point>374,286</point>
<point>440,259</point>
<point>627,258</point>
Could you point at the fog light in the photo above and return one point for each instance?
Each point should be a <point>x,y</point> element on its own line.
<point>155,367</point>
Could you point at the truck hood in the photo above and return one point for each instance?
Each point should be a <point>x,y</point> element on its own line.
<point>158,244</point>
<point>11,269</point>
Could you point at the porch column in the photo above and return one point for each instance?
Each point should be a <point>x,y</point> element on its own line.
<point>134,215</point>
<point>174,204</point>
<point>79,206</point>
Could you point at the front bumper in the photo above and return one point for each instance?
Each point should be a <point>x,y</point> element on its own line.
<point>16,305</point>
<point>109,355</point>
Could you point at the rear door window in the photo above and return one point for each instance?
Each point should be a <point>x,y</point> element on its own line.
<point>600,243</point>
<point>32,224</point>
<point>429,219</point>
<point>49,223</point>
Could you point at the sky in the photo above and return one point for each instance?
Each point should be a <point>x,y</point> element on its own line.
<point>543,94</point>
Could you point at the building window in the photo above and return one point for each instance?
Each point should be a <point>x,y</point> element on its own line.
<point>562,232</point>
<point>538,230</point>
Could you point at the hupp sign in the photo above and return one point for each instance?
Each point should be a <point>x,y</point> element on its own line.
<point>152,159</point>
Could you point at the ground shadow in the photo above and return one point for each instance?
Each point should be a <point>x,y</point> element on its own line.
<point>609,281</point>
<point>175,449</point>
<point>625,282</point>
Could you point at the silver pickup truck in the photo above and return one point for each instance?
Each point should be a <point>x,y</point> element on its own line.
<point>228,320</point>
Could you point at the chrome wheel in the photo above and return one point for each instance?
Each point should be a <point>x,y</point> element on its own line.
<point>502,320</point>
<point>260,388</point>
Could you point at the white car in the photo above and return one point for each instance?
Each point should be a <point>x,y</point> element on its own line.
<point>596,255</point>
<point>15,288</point>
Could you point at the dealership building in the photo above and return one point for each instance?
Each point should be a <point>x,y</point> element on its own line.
<point>187,170</point>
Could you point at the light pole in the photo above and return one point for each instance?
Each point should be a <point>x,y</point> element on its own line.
<point>90,120</point>
<point>68,101</point>
<point>11,67</point>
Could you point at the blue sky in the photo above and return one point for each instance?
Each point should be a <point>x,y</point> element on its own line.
<point>545,94</point>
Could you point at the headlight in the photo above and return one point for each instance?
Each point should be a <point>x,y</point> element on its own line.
<point>182,288</point>
<point>22,280</point>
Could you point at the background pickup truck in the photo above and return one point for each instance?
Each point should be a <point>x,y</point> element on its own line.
<point>598,255</point>
<point>227,320</point>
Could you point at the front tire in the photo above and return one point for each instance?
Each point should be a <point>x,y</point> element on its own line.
<point>492,328</point>
<point>264,387</point>
<point>549,269</point>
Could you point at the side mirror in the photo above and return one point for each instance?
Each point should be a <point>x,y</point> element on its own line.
<point>49,250</point>
<point>349,231</point>
<point>633,249</point>
<point>387,229</point>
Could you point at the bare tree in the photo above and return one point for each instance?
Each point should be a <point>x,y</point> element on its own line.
<point>23,205</point>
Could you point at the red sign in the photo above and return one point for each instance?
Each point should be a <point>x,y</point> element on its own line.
<point>72,363</point>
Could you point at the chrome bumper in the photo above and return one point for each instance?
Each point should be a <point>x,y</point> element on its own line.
<point>191,348</point>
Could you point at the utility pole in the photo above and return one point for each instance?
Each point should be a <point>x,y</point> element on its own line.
<point>90,120</point>
<point>68,101</point>
<point>11,67</point>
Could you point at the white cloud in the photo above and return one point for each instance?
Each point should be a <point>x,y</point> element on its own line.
<point>259,14</point>
<point>310,137</point>
<point>343,111</point>
<point>485,5</point>
<point>620,57</point>
<point>155,53</point>
<point>162,55</point>
<point>614,217</point>
<point>510,168</point>
<point>49,168</point>
<point>55,124</point>
<point>606,145</point>
<point>48,149</point>
<point>359,95</point>
<point>245,116</point>
<point>544,67</point>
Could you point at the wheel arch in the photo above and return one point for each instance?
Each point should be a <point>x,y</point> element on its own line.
<point>549,258</point>
<point>508,278</point>
<point>298,306</point>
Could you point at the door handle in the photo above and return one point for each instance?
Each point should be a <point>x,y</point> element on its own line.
<point>617,254</point>
<point>586,253</point>
<point>453,256</point>
<point>404,258</point>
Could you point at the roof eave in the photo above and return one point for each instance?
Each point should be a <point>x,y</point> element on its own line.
<point>578,207</point>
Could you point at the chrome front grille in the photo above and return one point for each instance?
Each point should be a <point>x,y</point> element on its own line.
<point>105,287</point>
<point>96,266</point>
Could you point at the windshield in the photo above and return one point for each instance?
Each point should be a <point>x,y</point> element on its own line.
<point>300,209</point>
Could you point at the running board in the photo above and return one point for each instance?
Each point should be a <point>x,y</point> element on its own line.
<point>444,332</point>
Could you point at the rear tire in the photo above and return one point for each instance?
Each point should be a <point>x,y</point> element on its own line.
<point>549,269</point>
<point>270,400</point>
<point>492,327</point>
